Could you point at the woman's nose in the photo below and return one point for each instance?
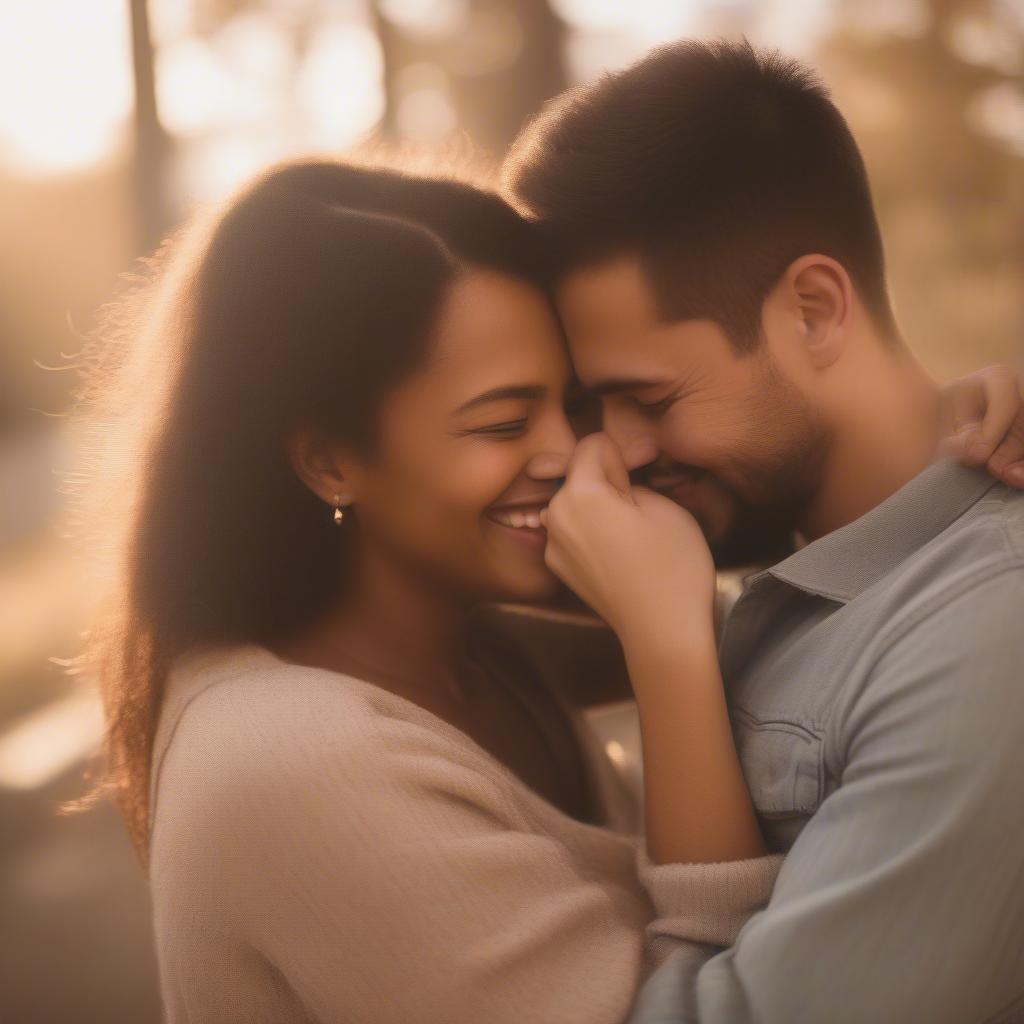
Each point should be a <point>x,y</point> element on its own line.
<point>548,466</point>
<point>554,450</point>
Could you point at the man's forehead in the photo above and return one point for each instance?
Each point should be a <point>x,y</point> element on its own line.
<point>612,295</point>
<point>613,368</point>
<point>612,357</point>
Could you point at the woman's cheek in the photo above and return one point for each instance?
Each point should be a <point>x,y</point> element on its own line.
<point>485,475</point>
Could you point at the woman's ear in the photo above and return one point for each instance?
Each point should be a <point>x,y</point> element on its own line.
<point>820,295</point>
<point>319,462</point>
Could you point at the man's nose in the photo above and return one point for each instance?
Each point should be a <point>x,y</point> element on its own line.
<point>635,437</point>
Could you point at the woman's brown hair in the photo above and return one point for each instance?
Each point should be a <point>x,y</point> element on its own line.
<point>305,298</point>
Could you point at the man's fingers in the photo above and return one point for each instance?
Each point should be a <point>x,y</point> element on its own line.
<point>597,459</point>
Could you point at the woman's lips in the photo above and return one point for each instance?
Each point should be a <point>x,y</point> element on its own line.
<point>517,518</point>
<point>522,522</point>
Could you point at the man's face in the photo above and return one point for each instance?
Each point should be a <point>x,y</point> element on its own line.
<point>725,435</point>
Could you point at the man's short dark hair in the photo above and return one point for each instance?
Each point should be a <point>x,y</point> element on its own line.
<point>719,165</point>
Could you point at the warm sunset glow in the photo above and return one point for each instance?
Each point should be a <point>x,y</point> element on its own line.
<point>65,83</point>
<point>240,98</point>
<point>124,121</point>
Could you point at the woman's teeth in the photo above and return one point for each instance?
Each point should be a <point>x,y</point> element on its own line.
<point>519,518</point>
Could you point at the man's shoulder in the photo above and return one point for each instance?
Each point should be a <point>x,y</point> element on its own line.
<point>947,623</point>
<point>929,652</point>
<point>977,557</point>
<point>993,526</point>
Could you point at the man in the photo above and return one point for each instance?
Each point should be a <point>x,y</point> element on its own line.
<point>721,279</point>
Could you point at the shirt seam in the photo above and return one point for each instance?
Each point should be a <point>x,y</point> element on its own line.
<point>900,628</point>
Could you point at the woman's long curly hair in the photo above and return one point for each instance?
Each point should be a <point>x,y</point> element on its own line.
<point>303,299</point>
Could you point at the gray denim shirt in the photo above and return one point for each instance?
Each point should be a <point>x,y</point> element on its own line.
<point>876,680</point>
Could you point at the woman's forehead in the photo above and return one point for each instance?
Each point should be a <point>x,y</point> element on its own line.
<point>495,331</point>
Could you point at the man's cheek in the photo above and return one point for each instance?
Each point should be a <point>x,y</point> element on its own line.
<point>695,435</point>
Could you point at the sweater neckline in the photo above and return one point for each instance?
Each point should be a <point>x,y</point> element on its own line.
<point>213,665</point>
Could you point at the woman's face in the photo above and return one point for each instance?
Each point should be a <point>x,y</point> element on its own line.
<point>471,447</point>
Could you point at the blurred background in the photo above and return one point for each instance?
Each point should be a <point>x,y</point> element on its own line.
<point>117,118</point>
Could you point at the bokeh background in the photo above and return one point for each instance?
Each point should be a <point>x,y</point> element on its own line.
<point>118,118</point>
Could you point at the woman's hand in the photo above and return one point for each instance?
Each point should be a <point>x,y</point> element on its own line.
<point>637,558</point>
<point>641,562</point>
<point>983,420</point>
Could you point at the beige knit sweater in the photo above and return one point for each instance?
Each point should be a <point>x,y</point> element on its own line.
<point>323,850</point>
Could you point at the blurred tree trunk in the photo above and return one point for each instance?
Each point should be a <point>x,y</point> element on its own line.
<point>949,191</point>
<point>499,65</point>
<point>497,105</point>
<point>151,142</point>
<point>390,48</point>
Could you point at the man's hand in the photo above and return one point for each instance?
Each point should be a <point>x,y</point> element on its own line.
<point>634,556</point>
<point>983,419</point>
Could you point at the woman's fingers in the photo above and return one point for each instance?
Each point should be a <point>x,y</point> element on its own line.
<point>980,412</point>
<point>983,419</point>
<point>597,460</point>
<point>1007,462</point>
<point>998,441</point>
<point>1002,396</point>
<point>961,407</point>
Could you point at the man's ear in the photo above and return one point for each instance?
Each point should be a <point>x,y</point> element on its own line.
<point>320,463</point>
<point>819,294</point>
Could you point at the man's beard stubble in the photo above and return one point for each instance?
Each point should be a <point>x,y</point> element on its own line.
<point>771,483</point>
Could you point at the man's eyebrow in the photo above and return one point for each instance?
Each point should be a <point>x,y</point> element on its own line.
<point>527,391</point>
<point>616,384</point>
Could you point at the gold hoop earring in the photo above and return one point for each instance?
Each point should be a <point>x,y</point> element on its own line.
<point>339,516</point>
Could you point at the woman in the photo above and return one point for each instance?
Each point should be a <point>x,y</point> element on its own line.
<point>356,798</point>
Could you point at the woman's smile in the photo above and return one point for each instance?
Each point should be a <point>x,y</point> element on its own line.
<point>522,521</point>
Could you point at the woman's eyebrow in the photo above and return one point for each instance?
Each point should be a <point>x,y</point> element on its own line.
<point>527,391</point>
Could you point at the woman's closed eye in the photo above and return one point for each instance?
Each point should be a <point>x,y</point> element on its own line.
<point>504,431</point>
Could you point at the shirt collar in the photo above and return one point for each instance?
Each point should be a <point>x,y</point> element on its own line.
<point>843,564</point>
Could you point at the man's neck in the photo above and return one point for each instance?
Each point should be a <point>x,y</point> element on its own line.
<point>886,432</point>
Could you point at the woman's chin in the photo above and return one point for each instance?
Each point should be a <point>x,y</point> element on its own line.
<point>536,586</point>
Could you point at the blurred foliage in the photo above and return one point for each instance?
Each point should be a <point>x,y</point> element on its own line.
<point>933,91</point>
<point>925,100</point>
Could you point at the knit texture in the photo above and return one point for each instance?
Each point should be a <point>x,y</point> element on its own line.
<point>323,850</point>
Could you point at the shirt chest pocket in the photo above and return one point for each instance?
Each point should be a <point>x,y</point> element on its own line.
<point>783,765</point>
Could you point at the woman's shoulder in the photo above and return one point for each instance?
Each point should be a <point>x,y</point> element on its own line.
<point>240,725</point>
<point>242,699</point>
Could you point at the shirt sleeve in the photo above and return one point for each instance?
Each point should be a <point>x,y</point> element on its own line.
<point>902,899</point>
<point>386,875</point>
